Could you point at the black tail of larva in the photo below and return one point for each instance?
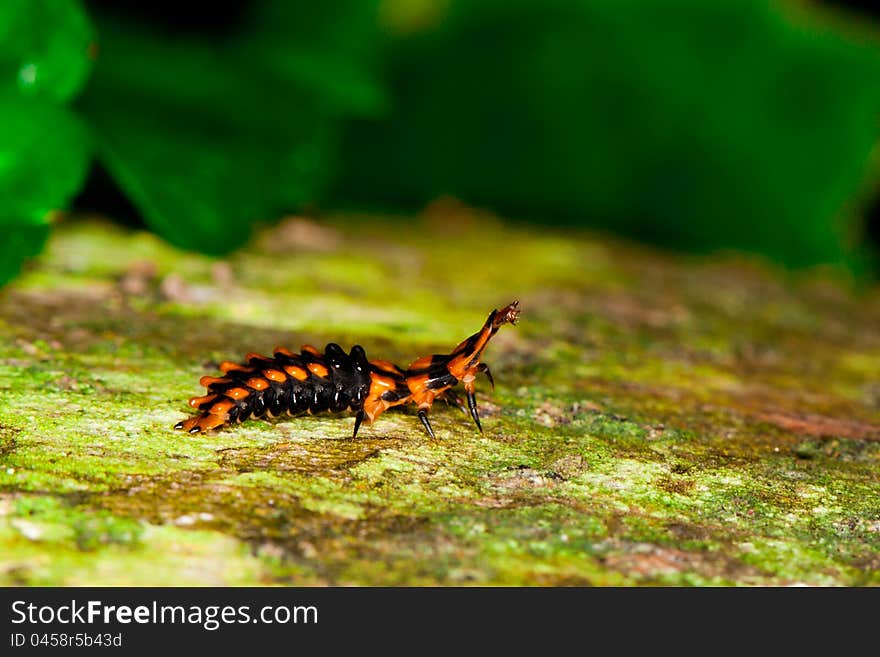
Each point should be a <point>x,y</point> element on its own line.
<point>286,383</point>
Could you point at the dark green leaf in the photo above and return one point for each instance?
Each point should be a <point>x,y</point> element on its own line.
<point>44,158</point>
<point>695,124</point>
<point>44,149</point>
<point>45,47</point>
<point>207,137</point>
<point>332,49</point>
<point>20,241</point>
<point>200,190</point>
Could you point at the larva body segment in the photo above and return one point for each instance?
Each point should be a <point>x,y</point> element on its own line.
<point>286,383</point>
<point>335,381</point>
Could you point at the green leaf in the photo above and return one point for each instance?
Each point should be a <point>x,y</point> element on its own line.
<point>206,138</point>
<point>332,49</point>
<point>201,191</point>
<point>44,148</point>
<point>45,47</point>
<point>44,158</point>
<point>698,125</point>
<point>20,241</point>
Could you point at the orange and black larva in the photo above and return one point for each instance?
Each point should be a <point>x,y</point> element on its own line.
<point>312,382</point>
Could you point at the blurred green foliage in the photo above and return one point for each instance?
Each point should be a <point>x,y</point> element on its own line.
<point>692,124</point>
<point>208,135</point>
<point>205,135</point>
<point>44,148</point>
<point>688,123</point>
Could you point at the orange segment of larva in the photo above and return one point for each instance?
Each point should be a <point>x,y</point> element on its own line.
<point>195,402</point>
<point>221,408</point>
<point>317,369</point>
<point>212,380</point>
<point>255,356</point>
<point>210,421</point>
<point>385,365</point>
<point>237,393</point>
<point>257,383</point>
<point>186,425</point>
<point>229,366</point>
<point>382,382</point>
<point>296,372</point>
<point>310,349</point>
<point>284,351</point>
<point>275,375</point>
<point>420,363</point>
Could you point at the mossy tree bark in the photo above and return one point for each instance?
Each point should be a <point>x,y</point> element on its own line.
<point>656,418</point>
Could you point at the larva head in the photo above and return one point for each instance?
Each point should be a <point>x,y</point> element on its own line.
<point>507,315</point>
<point>465,358</point>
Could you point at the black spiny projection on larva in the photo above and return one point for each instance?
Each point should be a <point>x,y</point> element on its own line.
<point>335,381</point>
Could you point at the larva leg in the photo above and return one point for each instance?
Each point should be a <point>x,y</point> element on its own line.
<point>357,423</point>
<point>482,367</point>
<point>423,416</point>
<point>454,400</point>
<point>472,405</point>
